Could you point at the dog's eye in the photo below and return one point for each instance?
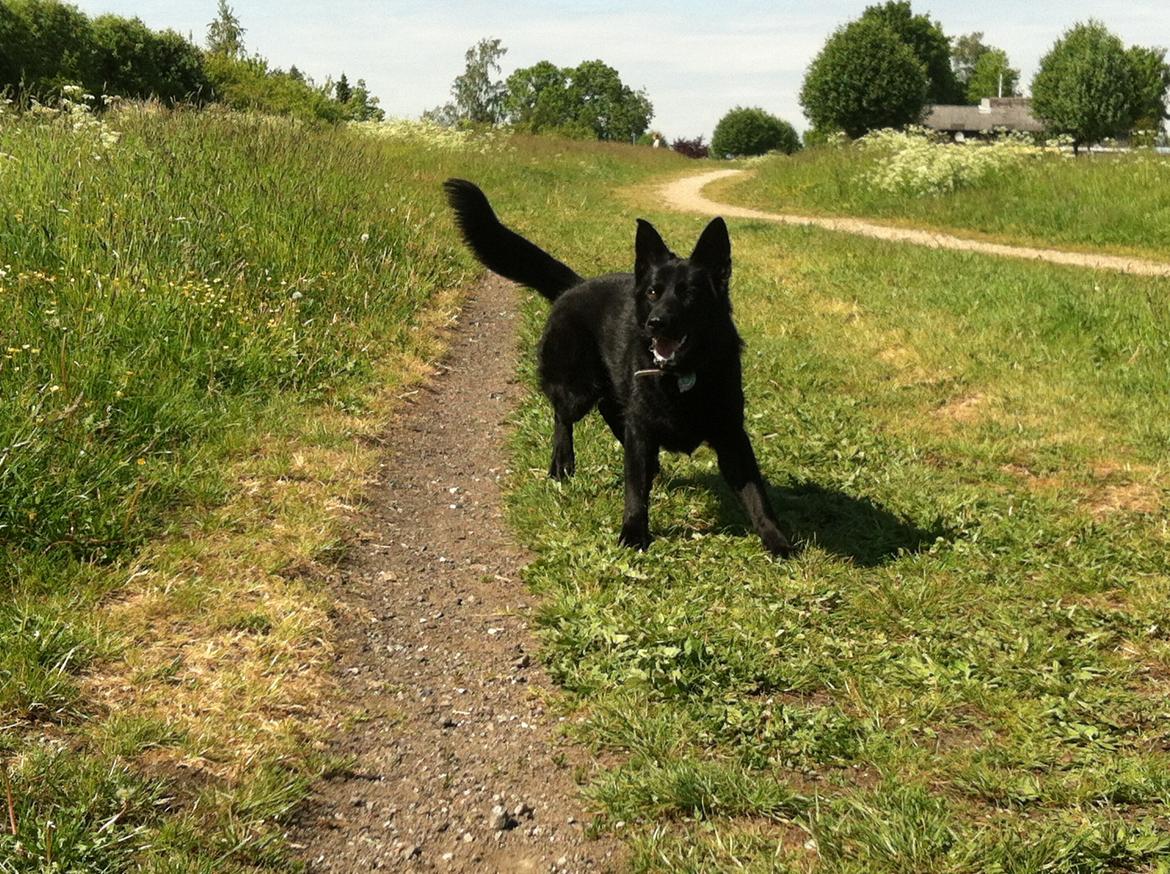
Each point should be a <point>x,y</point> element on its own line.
<point>654,293</point>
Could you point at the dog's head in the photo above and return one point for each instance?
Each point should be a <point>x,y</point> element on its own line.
<point>681,301</point>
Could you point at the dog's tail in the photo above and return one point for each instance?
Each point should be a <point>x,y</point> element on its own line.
<point>502,250</point>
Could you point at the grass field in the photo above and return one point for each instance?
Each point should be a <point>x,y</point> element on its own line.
<point>966,668</point>
<point>1104,202</point>
<point>204,319</point>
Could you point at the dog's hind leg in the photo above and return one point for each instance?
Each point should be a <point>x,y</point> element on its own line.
<point>570,405</point>
<point>564,459</point>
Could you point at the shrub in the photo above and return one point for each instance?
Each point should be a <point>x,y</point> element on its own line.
<point>45,46</point>
<point>865,78</point>
<point>913,163</point>
<point>695,148</point>
<point>247,84</point>
<point>131,60</point>
<point>752,131</point>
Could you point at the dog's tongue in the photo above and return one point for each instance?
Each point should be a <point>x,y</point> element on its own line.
<point>665,348</point>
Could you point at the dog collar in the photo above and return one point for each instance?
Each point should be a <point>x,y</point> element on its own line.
<point>686,381</point>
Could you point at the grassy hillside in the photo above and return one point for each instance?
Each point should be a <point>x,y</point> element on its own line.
<point>965,669</point>
<point>203,318</point>
<point>1118,203</point>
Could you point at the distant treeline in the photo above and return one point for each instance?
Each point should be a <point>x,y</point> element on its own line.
<point>46,45</point>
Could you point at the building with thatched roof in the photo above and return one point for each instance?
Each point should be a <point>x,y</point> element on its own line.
<point>993,114</point>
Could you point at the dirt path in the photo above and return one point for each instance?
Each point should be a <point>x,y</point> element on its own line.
<point>458,765</point>
<point>686,194</point>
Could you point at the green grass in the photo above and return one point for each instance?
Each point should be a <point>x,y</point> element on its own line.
<point>966,667</point>
<point>202,319</point>
<point>1118,203</point>
<point>964,670</point>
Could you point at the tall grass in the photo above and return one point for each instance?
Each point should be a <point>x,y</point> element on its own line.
<point>1114,202</point>
<point>195,312</point>
<point>155,289</point>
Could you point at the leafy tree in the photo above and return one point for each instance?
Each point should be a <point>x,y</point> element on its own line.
<point>1087,86</point>
<point>362,106</point>
<point>589,100</point>
<point>342,92</point>
<point>479,97</point>
<point>225,36</point>
<point>864,78</point>
<point>990,73</point>
<point>537,97</point>
<point>604,104</point>
<point>131,60</point>
<point>928,42</point>
<point>966,50</point>
<point>444,114</point>
<point>1152,76</point>
<point>45,45</point>
<point>14,40</point>
<point>752,131</point>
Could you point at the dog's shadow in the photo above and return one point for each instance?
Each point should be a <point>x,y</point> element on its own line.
<point>854,528</point>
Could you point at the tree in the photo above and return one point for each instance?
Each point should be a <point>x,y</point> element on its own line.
<point>928,42</point>
<point>45,45</point>
<point>966,50</point>
<point>992,77</point>
<point>611,109</point>
<point>537,97</point>
<point>362,106</point>
<point>342,92</point>
<point>225,36</point>
<point>588,100</point>
<point>131,60</point>
<point>1152,76</point>
<point>479,98</point>
<point>752,131</point>
<point>864,78</point>
<point>1087,86</point>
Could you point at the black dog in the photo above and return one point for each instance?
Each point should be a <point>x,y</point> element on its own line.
<point>656,352</point>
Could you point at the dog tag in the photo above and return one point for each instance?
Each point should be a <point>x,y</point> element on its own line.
<point>686,381</point>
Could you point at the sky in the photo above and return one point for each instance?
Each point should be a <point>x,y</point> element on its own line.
<point>695,58</point>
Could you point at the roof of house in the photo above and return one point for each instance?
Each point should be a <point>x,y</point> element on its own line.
<point>1010,113</point>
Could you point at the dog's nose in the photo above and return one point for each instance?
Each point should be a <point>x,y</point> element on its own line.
<point>655,322</point>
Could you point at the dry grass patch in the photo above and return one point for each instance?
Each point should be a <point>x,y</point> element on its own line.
<point>225,624</point>
<point>966,409</point>
<point>1112,488</point>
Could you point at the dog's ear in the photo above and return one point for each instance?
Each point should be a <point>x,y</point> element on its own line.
<point>713,253</point>
<point>649,249</point>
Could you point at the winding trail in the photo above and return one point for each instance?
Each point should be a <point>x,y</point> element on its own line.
<point>686,194</point>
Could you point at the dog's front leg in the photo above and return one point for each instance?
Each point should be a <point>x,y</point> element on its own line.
<point>737,463</point>
<point>641,465</point>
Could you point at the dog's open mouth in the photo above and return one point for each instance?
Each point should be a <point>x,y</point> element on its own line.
<point>665,348</point>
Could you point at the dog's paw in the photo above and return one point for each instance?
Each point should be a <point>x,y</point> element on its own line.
<point>776,543</point>
<point>635,536</point>
<point>562,468</point>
